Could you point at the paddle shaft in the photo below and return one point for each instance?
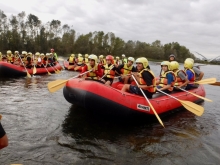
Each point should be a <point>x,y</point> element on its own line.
<point>110,68</point>
<point>158,118</point>
<point>167,94</point>
<point>24,66</point>
<point>193,94</point>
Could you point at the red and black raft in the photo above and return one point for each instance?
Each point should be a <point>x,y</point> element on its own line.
<point>11,70</point>
<point>107,100</point>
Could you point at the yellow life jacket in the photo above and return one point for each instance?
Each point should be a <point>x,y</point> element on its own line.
<point>92,75</point>
<point>80,60</point>
<point>126,70</point>
<point>71,59</point>
<point>179,81</point>
<point>109,73</point>
<point>10,58</point>
<point>142,82</point>
<point>163,80</point>
<point>86,60</point>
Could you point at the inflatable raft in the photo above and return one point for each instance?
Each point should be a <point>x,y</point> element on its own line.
<point>98,97</point>
<point>72,67</point>
<point>11,70</point>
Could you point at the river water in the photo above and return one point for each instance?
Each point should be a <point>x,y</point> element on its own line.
<point>43,128</point>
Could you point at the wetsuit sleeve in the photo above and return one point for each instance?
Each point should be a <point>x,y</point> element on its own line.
<point>119,68</point>
<point>169,78</point>
<point>99,71</point>
<point>147,78</point>
<point>2,131</point>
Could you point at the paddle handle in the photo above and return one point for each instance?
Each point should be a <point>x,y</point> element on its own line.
<point>107,72</point>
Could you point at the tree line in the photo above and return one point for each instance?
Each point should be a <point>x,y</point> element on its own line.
<point>27,32</point>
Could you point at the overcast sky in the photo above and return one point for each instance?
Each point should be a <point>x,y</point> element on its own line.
<point>192,23</point>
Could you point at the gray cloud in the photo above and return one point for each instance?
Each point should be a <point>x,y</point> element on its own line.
<point>193,23</point>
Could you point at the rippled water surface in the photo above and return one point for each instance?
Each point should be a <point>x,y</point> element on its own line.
<point>43,128</point>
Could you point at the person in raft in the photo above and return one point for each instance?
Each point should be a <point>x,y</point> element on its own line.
<point>92,65</point>
<point>188,66</point>
<point>3,137</point>
<point>145,78</point>
<point>167,78</point>
<point>172,58</point>
<point>109,70</point>
<point>125,70</point>
<point>181,77</point>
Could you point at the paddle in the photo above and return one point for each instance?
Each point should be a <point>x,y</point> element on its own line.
<point>194,94</point>
<point>47,70</point>
<point>216,83</point>
<point>53,86</point>
<point>192,107</point>
<point>54,69</point>
<point>110,68</point>
<point>71,66</point>
<point>158,118</point>
<point>34,70</point>
<point>206,81</point>
<point>28,74</point>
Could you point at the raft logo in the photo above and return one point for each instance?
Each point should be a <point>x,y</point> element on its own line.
<point>143,107</point>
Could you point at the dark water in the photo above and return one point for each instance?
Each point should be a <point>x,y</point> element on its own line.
<point>43,128</point>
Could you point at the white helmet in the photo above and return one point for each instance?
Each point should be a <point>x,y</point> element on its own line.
<point>93,57</point>
<point>131,59</point>
<point>123,55</point>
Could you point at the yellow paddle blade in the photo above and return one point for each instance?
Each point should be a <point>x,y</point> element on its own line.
<point>48,73</point>
<point>192,107</point>
<point>53,86</point>
<point>206,81</point>
<point>34,70</point>
<point>28,75</point>
<point>158,118</point>
<point>56,72</point>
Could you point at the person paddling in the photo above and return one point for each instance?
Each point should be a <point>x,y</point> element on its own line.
<point>145,78</point>
<point>92,65</point>
<point>167,78</point>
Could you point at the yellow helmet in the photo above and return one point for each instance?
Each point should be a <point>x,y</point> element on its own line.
<point>101,56</point>
<point>174,65</point>
<point>190,60</point>
<point>142,60</point>
<point>24,52</point>
<point>93,57</point>
<point>29,53</point>
<point>86,55</point>
<point>79,55</point>
<point>167,63</point>
<point>16,52</point>
<point>123,55</point>
<point>117,58</point>
<point>188,64</point>
<point>8,52</point>
<point>42,54</point>
<point>131,59</point>
<point>37,53</point>
<point>72,55</point>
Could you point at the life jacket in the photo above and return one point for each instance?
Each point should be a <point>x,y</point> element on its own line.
<point>102,62</point>
<point>71,59</point>
<point>86,60</point>
<point>163,80</point>
<point>124,61</point>
<point>80,60</point>
<point>109,73</point>
<point>126,70</point>
<point>10,59</point>
<point>194,75</point>
<point>92,75</point>
<point>142,82</point>
<point>179,81</point>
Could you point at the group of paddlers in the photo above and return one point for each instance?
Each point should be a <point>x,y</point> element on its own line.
<point>171,76</point>
<point>28,60</point>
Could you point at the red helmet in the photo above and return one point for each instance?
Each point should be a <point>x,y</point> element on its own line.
<point>52,50</point>
<point>109,57</point>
